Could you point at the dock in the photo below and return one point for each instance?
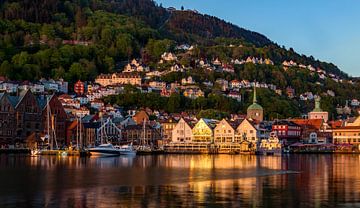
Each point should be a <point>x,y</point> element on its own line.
<point>206,148</point>
<point>78,153</point>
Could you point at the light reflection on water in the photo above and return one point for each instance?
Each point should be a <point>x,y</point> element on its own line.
<point>180,180</point>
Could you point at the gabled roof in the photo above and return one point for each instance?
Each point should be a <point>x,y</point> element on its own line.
<point>42,101</point>
<point>247,120</point>
<point>21,96</point>
<point>209,122</point>
<point>13,100</point>
<point>226,121</point>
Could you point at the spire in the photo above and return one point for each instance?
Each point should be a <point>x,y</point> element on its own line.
<point>317,105</point>
<point>254,98</point>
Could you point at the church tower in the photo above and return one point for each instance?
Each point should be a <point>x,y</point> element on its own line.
<point>255,111</point>
<point>318,113</point>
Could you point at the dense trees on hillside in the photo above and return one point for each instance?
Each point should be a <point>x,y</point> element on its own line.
<point>82,38</point>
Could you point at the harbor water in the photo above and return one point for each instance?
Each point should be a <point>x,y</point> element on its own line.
<point>180,181</point>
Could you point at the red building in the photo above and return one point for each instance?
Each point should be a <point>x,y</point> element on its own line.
<point>23,117</point>
<point>79,87</point>
<point>287,131</point>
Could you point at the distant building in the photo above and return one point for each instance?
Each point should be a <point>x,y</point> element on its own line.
<point>193,93</point>
<point>318,113</point>
<point>118,78</point>
<point>290,92</point>
<point>168,57</point>
<point>79,87</point>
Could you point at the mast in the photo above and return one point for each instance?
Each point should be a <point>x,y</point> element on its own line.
<point>77,133</point>
<point>48,123</point>
<point>54,131</point>
<point>81,139</point>
<point>144,139</point>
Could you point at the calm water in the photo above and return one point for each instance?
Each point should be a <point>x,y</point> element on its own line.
<point>181,181</point>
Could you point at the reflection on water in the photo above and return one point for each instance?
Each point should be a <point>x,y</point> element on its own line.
<point>180,180</point>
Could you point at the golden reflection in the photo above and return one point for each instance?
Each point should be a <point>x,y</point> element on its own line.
<point>183,180</point>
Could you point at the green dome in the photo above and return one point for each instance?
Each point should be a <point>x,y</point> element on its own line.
<point>255,106</point>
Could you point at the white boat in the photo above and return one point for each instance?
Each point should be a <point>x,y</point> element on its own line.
<point>104,150</point>
<point>126,150</point>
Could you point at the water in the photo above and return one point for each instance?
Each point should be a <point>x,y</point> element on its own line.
<point>181,181</point>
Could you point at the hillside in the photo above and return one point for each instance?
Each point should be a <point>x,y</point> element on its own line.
<point>81,39</point>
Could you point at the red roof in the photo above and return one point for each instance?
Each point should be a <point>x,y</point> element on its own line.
<point>308,123</point>
<point>336,124</point>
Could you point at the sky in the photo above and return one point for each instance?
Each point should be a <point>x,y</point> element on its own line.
<point>329,30</point>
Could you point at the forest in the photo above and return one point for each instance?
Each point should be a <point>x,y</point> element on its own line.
<point>83,38</point>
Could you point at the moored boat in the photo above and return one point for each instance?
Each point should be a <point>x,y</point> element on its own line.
<point>126,150</point>
<point>104,150</point>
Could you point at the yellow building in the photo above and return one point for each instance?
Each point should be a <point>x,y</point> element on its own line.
<point>348,134</point>
<point>202,131</point>
<point>118,78</point>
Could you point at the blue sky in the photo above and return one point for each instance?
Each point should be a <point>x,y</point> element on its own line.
<point>327,29</point>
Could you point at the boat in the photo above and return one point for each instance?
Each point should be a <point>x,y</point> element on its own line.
<point>144,147</point>
<point>126,150</point>
<point>50,136</point>
<point>104,150</point>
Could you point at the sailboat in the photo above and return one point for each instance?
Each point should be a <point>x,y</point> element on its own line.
<point>50,135</point>
<point>144,148</point>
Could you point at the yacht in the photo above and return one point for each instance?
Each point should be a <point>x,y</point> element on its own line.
<point>104,150</point>
<point>126,150</point>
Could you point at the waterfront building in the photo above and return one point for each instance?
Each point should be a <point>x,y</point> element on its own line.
<point>21,117</point>
<point>287,131</point>
<point>7,119</point>
<point>167,126</point>
<point>318,113</point>
<point>314,131</point>
<point>141,134</point>
<point>247,131</point>
<point>203,131</point>
<point>182,132</point>
<point>255,111</point>
<point>347,134</point>
<point>224,132</point>
<point>140,117</point>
